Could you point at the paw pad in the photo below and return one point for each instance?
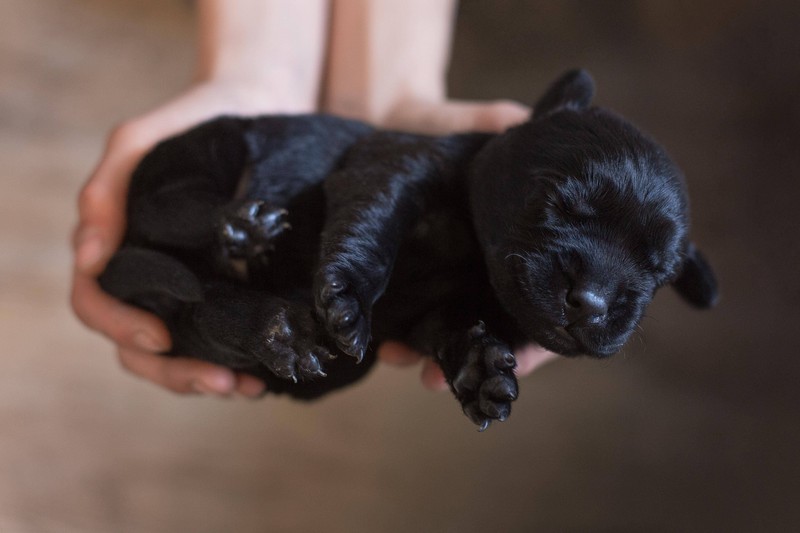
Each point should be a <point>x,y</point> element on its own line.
<point>485,385</point>
<point>248,228</point>
<point>288,348</point>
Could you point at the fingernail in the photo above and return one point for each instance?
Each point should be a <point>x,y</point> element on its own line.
<point>145,341</point>
<point>90,251</point>
<point>252,389</point>
<point>217,383</point>
<point>199,386</point>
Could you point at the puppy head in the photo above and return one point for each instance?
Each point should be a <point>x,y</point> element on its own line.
<point>581,218</point>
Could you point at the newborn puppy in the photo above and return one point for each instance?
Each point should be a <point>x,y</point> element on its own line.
<point>273,245</point>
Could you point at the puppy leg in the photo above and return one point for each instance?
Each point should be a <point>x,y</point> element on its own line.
<point>478,364</point>
<point>480,371</point>
<point>177,191</point>
<point>387,182</point>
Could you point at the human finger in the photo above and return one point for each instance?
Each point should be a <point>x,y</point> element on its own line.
<point>432,376</point>
<point>127,326</point>
<point>530,357</point>
<point>398,354</point>
<point>249,386</point>
<point>179,374</point>
<point>101,202</point>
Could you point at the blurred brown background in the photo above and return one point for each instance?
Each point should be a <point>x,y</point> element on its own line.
<point>695,428</point>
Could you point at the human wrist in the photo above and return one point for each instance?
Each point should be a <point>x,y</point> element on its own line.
<point>267,92</point>
<point>384,54</point>
<point>269,52</point>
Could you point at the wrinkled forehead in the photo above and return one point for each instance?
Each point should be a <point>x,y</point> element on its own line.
<point>628,184</point>
<point>597,157</point>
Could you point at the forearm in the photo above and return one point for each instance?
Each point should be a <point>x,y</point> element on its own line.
<point>384,53</point>
<point>272,45</point>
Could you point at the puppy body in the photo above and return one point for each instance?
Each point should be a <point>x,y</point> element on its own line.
<point>271,245</point>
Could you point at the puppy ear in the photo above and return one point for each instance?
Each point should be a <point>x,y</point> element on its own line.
<point>696,282</point>
<point>573,90</point>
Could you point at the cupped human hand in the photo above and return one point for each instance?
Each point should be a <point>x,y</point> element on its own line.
<point>140,336</point>
<point>449,117</point>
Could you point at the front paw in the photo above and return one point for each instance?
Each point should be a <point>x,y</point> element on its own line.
<point>341,307</point>
<point>485,384</point>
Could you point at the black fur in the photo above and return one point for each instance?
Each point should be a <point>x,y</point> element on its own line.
<point>272,245</point>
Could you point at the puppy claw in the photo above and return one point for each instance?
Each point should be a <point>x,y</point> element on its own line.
<point>323,354</point>
<point>250,209</point>
<point>308,364</point>
<point>499,388</point>
<point>357,352</point>
<point>495,410</point>
<point>359,355</point>
<point>473,412</point>
<point>507,361</point>
<point>500,358</point>
<point>284,372</point>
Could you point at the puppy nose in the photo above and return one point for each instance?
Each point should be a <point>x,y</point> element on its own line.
<point>584,304</point>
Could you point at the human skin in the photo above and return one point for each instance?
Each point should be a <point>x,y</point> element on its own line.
<point>261,57</point>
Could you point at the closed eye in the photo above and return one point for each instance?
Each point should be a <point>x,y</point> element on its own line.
<point>571,208</point>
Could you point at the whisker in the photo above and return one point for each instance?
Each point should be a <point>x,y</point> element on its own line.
<point>515,254</point>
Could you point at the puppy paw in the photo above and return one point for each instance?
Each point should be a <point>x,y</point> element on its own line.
<point>340,307</point>
<point>248,228</point>
<point>289,350</point>
<point>485,384</point>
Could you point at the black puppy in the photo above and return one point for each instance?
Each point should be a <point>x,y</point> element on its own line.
<point>271,245</point>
